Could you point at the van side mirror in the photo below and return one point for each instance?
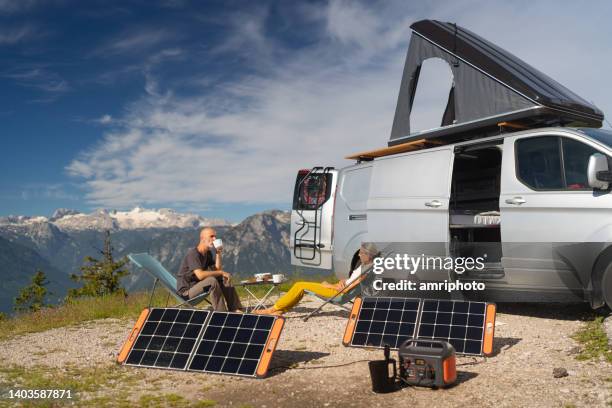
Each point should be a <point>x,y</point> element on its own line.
<point>599,174</point>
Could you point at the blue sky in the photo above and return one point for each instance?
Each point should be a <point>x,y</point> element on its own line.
<point>211,107</point>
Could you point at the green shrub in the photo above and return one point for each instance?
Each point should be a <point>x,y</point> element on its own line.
<point>32,297</point>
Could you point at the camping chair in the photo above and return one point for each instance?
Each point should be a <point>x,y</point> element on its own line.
<point>341,298</point>
<point>160,274</point>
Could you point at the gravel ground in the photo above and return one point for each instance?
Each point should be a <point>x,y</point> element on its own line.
<point>530,341</point>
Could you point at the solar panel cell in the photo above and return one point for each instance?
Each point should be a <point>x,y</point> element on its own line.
<point>170,315</point>
<point>135,357</point>
<point>253,351</point>
<point>164,359</point>
<point>237,350</point>
<point>247,367</point>
<point>156,314</point>
<point>179,361</point>
<point>149,328</point>
<point>259,336</point>
<point>184,316</point>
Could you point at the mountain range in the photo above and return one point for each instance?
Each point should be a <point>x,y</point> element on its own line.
<point>58,245</point>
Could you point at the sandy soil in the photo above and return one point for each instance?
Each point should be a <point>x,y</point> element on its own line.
<point>312,368</point>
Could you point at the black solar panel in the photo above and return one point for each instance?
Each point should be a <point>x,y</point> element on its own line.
<point>377,322</point>
<point>232,343</point>
<point>459,323</point>
<point>198,340</point>
<point>167,338</point>
<point>385,321</point>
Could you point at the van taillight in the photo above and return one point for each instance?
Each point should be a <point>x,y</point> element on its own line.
<point>331,241</point>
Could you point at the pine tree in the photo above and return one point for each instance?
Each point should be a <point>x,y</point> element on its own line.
<point>32,297</point>
<point>100,277</point>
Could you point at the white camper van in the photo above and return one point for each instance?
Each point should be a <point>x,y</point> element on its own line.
<point>534,199</point>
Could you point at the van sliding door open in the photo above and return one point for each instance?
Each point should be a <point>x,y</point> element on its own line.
<point>311,218</point>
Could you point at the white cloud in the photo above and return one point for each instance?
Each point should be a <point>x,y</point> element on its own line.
<point>105,119</point>
<point>40,78</point>
<point>134,41</point>
<point>14,35</point>
<point>16,6</point>
<point>245,141</point>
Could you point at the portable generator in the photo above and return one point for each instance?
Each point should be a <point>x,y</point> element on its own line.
<point>427,363</point>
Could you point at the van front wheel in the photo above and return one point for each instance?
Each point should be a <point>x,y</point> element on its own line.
<point>606,287</point>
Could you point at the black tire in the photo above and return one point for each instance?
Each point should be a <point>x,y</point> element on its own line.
<point>606,287</point>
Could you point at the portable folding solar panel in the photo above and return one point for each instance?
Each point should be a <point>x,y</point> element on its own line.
<point>239,344</point>
<point>376,322</point>
<point>468,326</point>
<point>199,340</point>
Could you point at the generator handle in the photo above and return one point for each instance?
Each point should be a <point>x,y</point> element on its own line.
<point>446,346</point>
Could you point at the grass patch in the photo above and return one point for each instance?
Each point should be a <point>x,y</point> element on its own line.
<point>80,382</point>
<point>78,311</point>
<point>69,378</point>
<point>115,383</point>
<point>594,341</point>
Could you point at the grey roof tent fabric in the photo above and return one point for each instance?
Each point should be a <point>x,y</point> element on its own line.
<point>488,83</point>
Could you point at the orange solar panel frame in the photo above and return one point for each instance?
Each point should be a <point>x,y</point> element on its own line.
<point>488,328</point>
<point>263,362</point>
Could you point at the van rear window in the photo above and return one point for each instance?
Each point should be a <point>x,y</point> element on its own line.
<point>311,190</point>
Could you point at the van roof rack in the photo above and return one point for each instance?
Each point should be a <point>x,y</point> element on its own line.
<point>500,128</point>
<point>401,148</point>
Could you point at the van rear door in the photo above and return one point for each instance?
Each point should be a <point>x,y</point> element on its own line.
<point>312,217</point>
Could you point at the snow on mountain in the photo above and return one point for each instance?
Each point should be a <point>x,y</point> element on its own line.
<point>137,218</point>
<point>61,212</point>
<point>22,220</point>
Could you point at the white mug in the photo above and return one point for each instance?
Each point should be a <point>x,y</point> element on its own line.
<point>218,244</point>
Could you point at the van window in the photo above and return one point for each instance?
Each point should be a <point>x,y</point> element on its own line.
<point>355,188</point>
<point>433,98</point>
<point>553,163</point>
<point>539,162</point>
<point>575,162</point>
<point>311,190</point>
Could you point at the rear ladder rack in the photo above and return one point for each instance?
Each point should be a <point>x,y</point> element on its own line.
<point>303,248</point>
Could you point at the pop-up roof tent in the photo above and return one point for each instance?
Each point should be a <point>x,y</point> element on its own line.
<point>490,86</point>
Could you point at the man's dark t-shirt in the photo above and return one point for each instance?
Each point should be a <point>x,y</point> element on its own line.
<point>185,278</point>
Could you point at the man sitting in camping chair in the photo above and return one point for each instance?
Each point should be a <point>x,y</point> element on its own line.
<point>200,270</point>
<point>367,253</point>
